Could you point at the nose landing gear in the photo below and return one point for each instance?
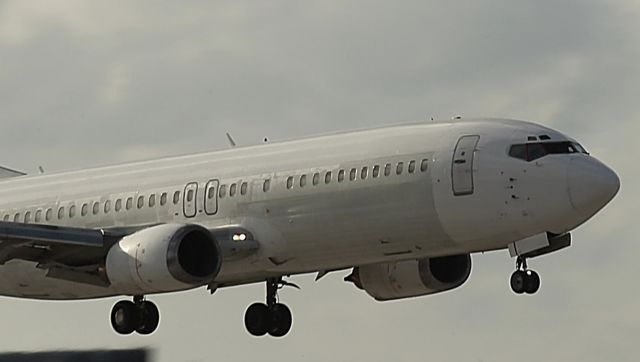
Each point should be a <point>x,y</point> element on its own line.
<point>524,280</point>
<point>272,318</point>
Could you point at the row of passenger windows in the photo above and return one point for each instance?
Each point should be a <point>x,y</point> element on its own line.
<point>363,173</point>
<point>95,208</point>
<point>232,190</point>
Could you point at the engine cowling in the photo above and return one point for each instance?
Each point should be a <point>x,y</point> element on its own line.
<point>163,258</point>
<point>412,278</point>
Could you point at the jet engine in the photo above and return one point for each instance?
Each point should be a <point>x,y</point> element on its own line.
<point>163,258</point>
<point>412,278</point>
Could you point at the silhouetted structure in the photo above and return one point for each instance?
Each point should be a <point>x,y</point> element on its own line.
<point>133,355</point>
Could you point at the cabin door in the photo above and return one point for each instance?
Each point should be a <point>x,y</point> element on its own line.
<point>462,167</point>
<point>189,199</point>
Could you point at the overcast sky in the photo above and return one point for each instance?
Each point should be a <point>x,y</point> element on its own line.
<point>85,83</point>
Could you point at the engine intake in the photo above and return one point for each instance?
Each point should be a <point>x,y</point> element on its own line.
<point>163,258</point>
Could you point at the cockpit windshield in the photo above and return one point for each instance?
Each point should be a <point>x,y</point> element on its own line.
<point>533,151</point>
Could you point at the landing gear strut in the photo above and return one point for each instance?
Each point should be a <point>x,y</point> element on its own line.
<point>524,280</point>
<point>141,316</point>
<point>273,318</point>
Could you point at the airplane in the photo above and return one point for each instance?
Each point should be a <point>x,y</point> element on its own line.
<point>401,208</point>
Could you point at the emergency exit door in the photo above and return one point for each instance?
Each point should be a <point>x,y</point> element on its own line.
<point>462,167</point>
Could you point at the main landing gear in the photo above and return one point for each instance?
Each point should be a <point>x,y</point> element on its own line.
<point>141,316</point>
<point>273,318</point>
<point>524,280</point>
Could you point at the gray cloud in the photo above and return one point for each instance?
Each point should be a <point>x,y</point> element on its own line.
<point>89,83</point>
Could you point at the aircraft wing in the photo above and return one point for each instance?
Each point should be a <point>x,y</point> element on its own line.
<point>77,254</point>
<point>7,173</point>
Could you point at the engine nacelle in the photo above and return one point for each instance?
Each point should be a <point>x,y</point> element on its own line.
<point>413,278</point>
<point>163,258</point>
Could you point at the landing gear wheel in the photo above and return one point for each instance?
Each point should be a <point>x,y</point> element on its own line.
<point>518,281</point>
<point>149,318</point>
<point>532,282</point>
<point>273,318</point>
<point>257,319</point>
<point>280,320</point>
<point>124,317</point>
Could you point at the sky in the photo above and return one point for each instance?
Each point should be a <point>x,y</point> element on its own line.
<point>88,83</point>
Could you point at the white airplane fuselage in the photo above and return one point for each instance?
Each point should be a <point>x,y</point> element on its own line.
<point>459,197</point>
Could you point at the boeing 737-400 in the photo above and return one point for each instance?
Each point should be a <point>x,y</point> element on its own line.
<point>403,207</point>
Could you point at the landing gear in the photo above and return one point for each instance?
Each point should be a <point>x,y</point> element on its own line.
<point>272,318</point>
<point>139,316</point>
<point>524,280</point>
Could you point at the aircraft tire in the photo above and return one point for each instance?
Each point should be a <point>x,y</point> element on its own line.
<point>280,320</point>
<point>149,318</point>
<point>257,319</point>
<point>518,281</point>
<point>532,282</point>
<point>124,317</point>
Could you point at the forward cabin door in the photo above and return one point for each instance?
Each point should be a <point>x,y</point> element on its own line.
<point>189,199</point>
<point>462,167</point>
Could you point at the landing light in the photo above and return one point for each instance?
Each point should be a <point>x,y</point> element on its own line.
<point>239,237</point>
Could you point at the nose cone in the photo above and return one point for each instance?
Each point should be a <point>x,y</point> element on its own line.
<point>591,185</point>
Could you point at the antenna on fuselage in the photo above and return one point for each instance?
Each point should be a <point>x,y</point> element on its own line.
<point>232,143</point>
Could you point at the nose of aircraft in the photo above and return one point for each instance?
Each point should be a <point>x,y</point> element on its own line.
<point>591,185</point>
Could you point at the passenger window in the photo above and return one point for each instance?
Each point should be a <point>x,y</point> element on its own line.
<point>6,217</point>
<point>85,209</point>
<point>38,215</point>
<point>107,206</point>
<point>243,188</point>
<point>399,168</point>
<point>353,174</point>
<point>327,177</point>
<point>341,176</point>
<point>129,204</point>
<point>152,200</point>
<point>189,195</point>
<point>376,171</point>
<point>267,185</point>
<point>96,208</point>
<point>364,173</point>
<point>16,217</point>
<point>290,182</point>
<point>72,211</point>
<point>140,202</point>
<point>176,197</point>
<point>211,192</point>
<point>223,191</point>
<point>316,179</point>
<point>61,213</point>
<point>387,169</point>
<point>27,216</point>
<point>424,165</point>
<point>163,199</point>
<point>412,166</point>
<point>118,205</point>
<point>48,215</point>
<point>303,180</point>
<point>232,190</point>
